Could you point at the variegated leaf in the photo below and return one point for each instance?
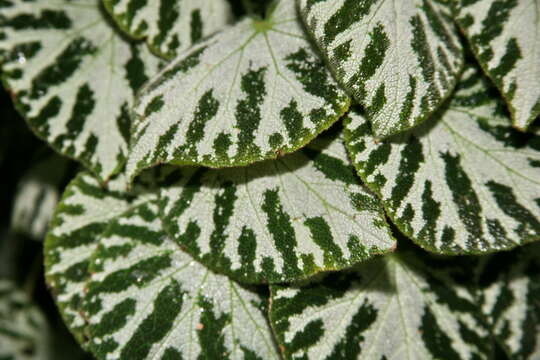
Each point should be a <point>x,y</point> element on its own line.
<point>505,37</point>
<point>399,59</point>
<point>24,333</point>
<point>252,92</point>
<point>464,182</point>
<point>84,212</point>
<point>389,308</point>
<point>37,194</point>
<point>170,26</point>
<point>278,220</point>
<point>509,298</point>
<point>73,77</point>
<point>149,300</point>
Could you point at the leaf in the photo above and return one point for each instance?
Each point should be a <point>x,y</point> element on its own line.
<point>509,293</point>
<point>268,94</point>
<point>504,37</point>
<point>24,332</point>
<point>149,300</point>
<point>399,59</point>
<point>84,212</point>
<point>170,26</point>
<point>37,196</point>
<point>280,220</point>
<point>73,78</point>
<point>389,308</point>
<point>464,182</point>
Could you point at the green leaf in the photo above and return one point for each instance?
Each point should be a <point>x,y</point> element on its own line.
<point>279,220</point>
<point>504,35</point>
<point>84,212</point>
<point>399,59</point>
<point>509,293</point>
<point>389,308</point>
<point>252,92</point>
<point>170,26</point>
<point>73,77</point>
<point>24,333</point>
<point>37,196</point>
<point>149,300</point>
<point>464,182</point>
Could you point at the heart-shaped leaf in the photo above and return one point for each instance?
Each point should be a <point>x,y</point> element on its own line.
<point>84,212</point>
<point>389,308</point>
<point>505,37</point>
<point>279,220</point>
<point>464,182</point>
<point>170,26</point>
<point>399,59</point>
<point>509,292</point>
<point>24,333</point>
<point>73,77</point>
<point>252,92</point>
<point>149,300</point>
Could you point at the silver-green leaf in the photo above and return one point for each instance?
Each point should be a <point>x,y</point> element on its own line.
<point>279,220</point>
<point>37,194</point>
<point>24,332</point>
<point>399,59</point>
<point>73,77</point>
<point>170,26</point>
<point>464,182</point>
<point>505,37</point>
<point>147,299</point>
<point>84,212</point>
<point>252,92</point>
<point>389,308</point>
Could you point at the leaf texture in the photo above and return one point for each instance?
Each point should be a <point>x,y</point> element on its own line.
<point>279,220</point>
<point>464,182</point>
<point>24,332</point>
<point>149,300</point>
<point>389,308</point>
<point>505,37</point>
<point>73,77</point>
<point>509,293</point>
<point>84,212</point>
<point>265,95</point>
<point>37,194</point>
<point>399,59</point>
<point>170,26</point>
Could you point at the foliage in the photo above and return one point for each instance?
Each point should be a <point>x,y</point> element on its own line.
<point>255,179</point>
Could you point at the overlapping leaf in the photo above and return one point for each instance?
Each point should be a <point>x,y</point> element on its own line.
<point>73,77</point>
<point>278,220</point>
<point>170,26</point>
<point>509,298</point>
<point>252,92</point>
<point>150,300</point>
<point>24,333</point>
<point>464,182</point>
<point>399,59</point>
<point>389,308</point>
<point>505,36</point>
<point>84,212</point>
<point>37,196</point>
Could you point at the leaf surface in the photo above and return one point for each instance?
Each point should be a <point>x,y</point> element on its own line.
<point>169,26</point>
<point>399,59</point>
<point>388,308</point>
<point>505,37</point>
<point>73,78</point>
<point>24,332</point>
<point>279,220</point>
<point>251,92</point>
<point>147,299</point>
<point>464,182</point>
